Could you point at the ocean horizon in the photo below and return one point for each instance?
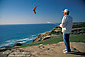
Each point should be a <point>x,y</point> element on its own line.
<point>22,33</point>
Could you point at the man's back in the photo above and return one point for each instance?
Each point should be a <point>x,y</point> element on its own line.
<point>68,25</point>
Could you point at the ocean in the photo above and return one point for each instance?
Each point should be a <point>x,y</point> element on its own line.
<point>23,33</point>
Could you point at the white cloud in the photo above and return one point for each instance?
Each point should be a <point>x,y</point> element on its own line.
<point>48,22</point>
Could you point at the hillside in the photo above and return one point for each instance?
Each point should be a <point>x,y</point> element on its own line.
<point>78,28</point>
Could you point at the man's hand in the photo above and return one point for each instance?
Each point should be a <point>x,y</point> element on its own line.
<point>60,25</point>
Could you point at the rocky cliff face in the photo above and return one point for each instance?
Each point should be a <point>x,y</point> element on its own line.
<point>55,31</point>
<point>78,28</point>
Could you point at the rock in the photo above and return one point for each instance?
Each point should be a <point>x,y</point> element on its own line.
<point>46,37</point>
<point>13,50</point>
<point>21,50</point>
<point>17,44</point>
<point>48,49</point>
<point>41,45</point>
<point>3,55</point>
<point>2,49</point>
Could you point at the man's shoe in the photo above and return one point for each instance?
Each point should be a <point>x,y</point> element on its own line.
<point>66,52</point>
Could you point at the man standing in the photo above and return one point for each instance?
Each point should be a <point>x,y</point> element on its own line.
<point>66,26</point>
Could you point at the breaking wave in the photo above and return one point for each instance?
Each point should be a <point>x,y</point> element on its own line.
<point>22,41</point>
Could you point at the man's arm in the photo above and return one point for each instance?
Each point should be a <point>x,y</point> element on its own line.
<point>64,22</point>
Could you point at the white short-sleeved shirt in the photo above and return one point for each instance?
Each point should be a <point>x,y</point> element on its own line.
<point>66,24</point>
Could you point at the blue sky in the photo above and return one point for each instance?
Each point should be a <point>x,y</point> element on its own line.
<point>48,11</point>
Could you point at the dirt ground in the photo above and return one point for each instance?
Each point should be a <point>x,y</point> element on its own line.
<point>50,50</point>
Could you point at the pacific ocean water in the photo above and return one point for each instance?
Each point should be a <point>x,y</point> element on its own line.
<point>23,33</point>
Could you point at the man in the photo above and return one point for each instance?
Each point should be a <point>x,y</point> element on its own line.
<point>66,26</point>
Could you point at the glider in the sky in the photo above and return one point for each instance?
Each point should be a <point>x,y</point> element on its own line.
<point>34,9</point>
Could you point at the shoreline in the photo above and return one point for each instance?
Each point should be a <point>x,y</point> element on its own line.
<point>24,38</point>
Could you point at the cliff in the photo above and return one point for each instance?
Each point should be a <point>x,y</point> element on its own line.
<point>78,28</point>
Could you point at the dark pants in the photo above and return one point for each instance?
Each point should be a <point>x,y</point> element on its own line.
<point>66,41</point>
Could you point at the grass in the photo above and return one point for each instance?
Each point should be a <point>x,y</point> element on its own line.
<point>59,38</point>
<point>77,38</point>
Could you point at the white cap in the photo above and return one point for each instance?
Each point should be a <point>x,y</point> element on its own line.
<point>66,10</point>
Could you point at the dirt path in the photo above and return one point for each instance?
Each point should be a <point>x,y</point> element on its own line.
<point>52,50</point>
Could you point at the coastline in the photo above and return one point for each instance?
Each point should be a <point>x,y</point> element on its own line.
<point>22,40</point>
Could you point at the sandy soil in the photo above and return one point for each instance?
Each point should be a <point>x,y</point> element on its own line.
<point>50,50</point>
